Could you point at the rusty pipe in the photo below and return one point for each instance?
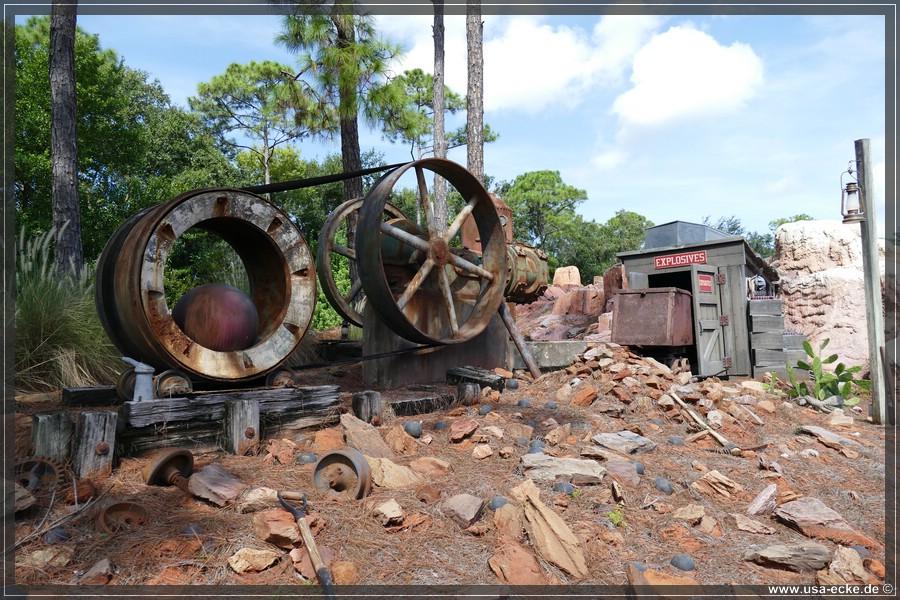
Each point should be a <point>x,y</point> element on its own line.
<point>518,340</point>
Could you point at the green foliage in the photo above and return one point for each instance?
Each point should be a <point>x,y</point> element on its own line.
<point>544,216</point>
<point>543,207</point>
<point>264,103</point>
<point>59,339</point>
<point>404,107</point>
<point>324,316</point>
<point>616,517</point>
<point>134,148</point>
<point>825,384</point>
<point>771,384</point>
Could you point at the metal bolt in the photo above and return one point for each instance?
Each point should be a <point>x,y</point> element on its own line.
<point>250,432</point>
<point>102,448</point>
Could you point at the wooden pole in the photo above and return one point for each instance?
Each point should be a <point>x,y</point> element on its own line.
<point>51,433</point>
<point>366,405</point>
<point>868,229</point>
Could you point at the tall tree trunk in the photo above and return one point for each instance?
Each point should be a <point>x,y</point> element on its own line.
<point>348,110</point>
<point>475,91</point>
<point>63,148</point>
<point>440,138</point>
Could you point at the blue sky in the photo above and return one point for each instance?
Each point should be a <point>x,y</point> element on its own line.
<point>673,117</point>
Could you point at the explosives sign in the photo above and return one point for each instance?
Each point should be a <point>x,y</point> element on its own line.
<point>680,260</point>
<point>705,284</point>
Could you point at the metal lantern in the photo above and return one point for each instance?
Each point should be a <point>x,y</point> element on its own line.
<point>851,207</point>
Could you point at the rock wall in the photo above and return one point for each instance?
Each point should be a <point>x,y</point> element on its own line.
<point>822,285</point>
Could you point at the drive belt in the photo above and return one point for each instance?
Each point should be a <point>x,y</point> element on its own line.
<point>296,184</point>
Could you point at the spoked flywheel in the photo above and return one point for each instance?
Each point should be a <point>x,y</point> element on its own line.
<point>423,283</point>
<point>332,240</point>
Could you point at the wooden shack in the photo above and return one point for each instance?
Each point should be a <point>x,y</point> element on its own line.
<point>732,288</point>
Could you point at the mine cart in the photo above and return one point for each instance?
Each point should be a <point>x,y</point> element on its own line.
<point>695,292</point>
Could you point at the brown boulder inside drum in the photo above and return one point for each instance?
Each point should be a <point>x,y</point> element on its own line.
<point>218,316</point>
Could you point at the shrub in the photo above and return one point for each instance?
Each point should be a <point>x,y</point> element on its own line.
<point>59,341</point>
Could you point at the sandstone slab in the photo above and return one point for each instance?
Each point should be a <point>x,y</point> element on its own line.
<point>252,560</point>
<point>541,467</point>
<point>808,556</point>
<point>464,509</point>
<point>626,442</point>
<point>811,517</point>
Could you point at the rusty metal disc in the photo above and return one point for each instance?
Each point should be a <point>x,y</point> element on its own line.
<point>450,294</point>
<point>330,244</point>
<point>123,516</point>
<point>343,472</point>
<point>130,293</point>
<point>164,466</point>
<point>172,383</point>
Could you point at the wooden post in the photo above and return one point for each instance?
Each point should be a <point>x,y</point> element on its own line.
<point>95,440</point>
<point>868,229</point>
<point>366,405</point>
<point>51,433</point>
<point>241,425</point>
<point>467,393</point>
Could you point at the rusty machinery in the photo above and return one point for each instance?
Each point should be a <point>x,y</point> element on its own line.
<point>469,270</point>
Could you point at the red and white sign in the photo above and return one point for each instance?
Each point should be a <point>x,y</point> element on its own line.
<point>705,283</point>
<point>680,260</point>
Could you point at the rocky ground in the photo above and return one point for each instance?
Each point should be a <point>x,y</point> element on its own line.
<point>600,473</point>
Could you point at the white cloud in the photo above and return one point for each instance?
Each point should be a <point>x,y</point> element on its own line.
<point>609,160</point>
<point>686,73</point>
<point>529,65</point>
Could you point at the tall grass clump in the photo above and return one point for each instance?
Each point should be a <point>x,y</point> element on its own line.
<point>59,339</point>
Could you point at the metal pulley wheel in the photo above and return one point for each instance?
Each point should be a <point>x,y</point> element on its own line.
<point>171,383</point>
<point>343,472</point>
<point>331,244</point>
<point>130,293</point>
<point>123,516</point>
<point>171,466</point>
<point>468,288</point>
<point>125,385</point>
<point>38,475</point>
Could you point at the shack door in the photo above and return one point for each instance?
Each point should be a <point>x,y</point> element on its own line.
<point>709,334</point>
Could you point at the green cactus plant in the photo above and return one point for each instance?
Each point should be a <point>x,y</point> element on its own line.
<point>826,384</point>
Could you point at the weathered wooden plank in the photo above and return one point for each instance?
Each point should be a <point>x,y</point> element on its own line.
<point>770,358</point>
<point>482,377</point>
<point>90,396</point>
<point>763,323</point>
<point>95,439</point>
<point>764,307</point>
<point>211,406</point>
<point>241,425</point>
<point>769,340</point>
<point>202,436</point>
<point>168,410</point>
<point>418,406</point>
<point>52,434</point>
<point>794,342</point>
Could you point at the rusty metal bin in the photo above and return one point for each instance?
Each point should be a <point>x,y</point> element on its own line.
<point>653,317</point>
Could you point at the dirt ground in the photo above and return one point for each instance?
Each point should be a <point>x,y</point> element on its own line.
<point>438,551</point>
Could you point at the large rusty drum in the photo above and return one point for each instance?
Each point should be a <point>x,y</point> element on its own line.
<point>130,294</point>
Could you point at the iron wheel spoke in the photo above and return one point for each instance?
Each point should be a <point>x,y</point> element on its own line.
<point>415,283</point>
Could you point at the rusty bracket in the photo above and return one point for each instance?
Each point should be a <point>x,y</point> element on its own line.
<point>720,278</point>
<point>726,362</point>
<point>723,320</point>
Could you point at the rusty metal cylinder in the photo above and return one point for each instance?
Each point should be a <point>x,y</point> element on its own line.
<point>130,294</point>
<point>527,273</point>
